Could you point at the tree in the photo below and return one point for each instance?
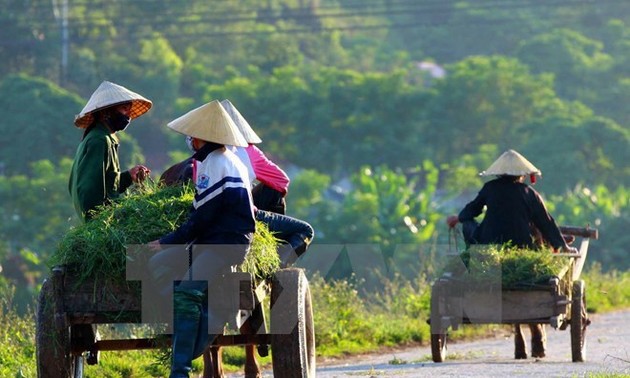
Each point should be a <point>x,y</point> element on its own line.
<point>614,93</point>
<point>332,120</point>
<point>601,208</point>
<point>386,208</point>
<point>579,64</point>
<point>154,72</point>
<point>307,194</point>
<point>385,215</point>
<point>579,147</point>
<point>29,38</point>
<point>37,123</point>
<point>36,209</point>
<point>483,100</point>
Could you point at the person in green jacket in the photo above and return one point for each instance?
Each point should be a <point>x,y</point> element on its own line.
<point>96,177</point>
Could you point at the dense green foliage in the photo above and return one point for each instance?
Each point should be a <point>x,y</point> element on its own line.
<point>100,247</point>
<point>343,82</point>
<point>382,111</point>
<point>507,267</point>
<point>17,335</point>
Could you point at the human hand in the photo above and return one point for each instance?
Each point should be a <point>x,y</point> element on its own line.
<point>139,173</point>
<point>452,220</point>
<point>572,250</point>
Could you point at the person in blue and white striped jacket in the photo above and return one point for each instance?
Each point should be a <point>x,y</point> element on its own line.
<point>220,228</point>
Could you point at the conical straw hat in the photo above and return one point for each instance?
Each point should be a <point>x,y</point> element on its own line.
<point>241,122</point>
<point>108,94</point>
<point>511,163</point>
<point>209,122</point>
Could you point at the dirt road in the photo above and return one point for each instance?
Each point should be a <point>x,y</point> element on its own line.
<point>607,351</point>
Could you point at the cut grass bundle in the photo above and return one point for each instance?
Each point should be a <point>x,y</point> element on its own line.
<point>510,266</point>
<point>97,249</point>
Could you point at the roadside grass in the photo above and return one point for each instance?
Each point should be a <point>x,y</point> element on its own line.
<point>606,291</point>
<point>346,322</point>
<point>17,337</point>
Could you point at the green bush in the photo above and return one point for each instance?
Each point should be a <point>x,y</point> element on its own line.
<point>17,337</point>
<point>606,291</point>
<point>98,247</point>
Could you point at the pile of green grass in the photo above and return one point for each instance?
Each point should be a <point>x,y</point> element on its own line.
<point>97,249</point>
<point>513,267</point>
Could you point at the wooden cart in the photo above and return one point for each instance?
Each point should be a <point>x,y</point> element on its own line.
<point>68,314</point>
<point>561,302</point>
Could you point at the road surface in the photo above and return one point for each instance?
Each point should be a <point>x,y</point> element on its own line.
<point>607,351</point>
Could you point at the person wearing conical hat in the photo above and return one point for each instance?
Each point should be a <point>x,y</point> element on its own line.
<point>96,177</point>
<point>514,213</point>
<point>220,227</point>
<point>512,208</point>
<point>273,182</point>
<point>294,235</point>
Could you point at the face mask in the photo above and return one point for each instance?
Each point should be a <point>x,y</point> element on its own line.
<point>118,121</point>
<point>189,143</point>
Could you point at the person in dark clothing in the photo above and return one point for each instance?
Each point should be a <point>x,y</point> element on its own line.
<point>273,182</point>
<point>513,209</point>
<point>178,173</point>
<point>96,177</point>
<point>515,213</point>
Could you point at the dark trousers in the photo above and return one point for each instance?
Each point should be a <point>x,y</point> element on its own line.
<point>296,235</point>
<point>291,230</point>
<point>268,199</point>
<point>469,229</point>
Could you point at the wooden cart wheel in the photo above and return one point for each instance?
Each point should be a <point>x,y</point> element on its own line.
<point>292,328</point>
<point>54,356</point>
<point>438,332</point>
<point>579,321</point>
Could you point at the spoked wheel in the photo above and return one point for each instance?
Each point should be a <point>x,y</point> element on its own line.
<point>579,321</point>
<point>54,355</point>
<point>438,332</point>
<point>292,328</point>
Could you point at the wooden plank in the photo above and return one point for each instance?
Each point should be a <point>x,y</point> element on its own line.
<point>132,344</point>
<point>91,297</point>
<point>109,297</point>
<point>507,306</point>
<point>579,260</point>
<point>165,341</point>
<point>585,232</point>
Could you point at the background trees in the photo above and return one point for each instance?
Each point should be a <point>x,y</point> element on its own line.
<point>336,90</point>
<point>37,122</point>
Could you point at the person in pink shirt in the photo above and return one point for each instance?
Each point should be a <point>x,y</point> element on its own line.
<point>273,183</point>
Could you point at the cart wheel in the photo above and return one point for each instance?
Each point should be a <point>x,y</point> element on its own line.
<point>579,321</point>
<point>54,356</point>
<point>438,332</point>
<point>292,329</point>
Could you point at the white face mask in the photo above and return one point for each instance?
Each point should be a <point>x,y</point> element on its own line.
<point>189,143</point>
